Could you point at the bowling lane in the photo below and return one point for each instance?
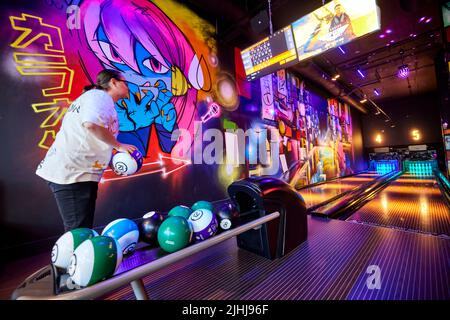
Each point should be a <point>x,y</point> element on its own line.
<point>410,203</point>
<point>323,192</point>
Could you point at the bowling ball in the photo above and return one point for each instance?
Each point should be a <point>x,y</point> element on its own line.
<point>152,213</point>
<point>204,223</point>
<point>65,246</point>
<point>125,231</point>
<point>202,205</point>
<point>148,227</point>
<point>227,216</point>
<point>180,211</point>
<point>174,234</point>
<point>125,163</point>
<point>95,260</point>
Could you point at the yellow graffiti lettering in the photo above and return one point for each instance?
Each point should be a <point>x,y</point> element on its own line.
<point>32,59</point>
<point>50,62</point>
<point>57,109</point>
<point>47,139</point>
<point>27,25</point>
<point>65,74</point>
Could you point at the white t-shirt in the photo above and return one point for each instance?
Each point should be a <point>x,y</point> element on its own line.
<point>77,155</point>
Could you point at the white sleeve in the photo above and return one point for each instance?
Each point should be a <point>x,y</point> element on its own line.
<point>95,108</point>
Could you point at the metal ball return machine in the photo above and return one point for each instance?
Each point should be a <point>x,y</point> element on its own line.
<point>272,223</point>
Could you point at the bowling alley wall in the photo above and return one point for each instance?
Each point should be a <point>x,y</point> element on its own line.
<point>169,56</point>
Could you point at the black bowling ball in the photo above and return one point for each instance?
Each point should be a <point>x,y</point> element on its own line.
<point>148,227</point>
<point>227,216</point>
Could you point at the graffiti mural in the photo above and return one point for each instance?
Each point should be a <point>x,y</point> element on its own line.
<point>161,68</point>
<point>315,134</point>
<point>171,69</point>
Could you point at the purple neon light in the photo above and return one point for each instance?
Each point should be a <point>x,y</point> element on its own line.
<point>428,20</point>
<point>342,50</point>
<point>403,71</point>
<point>381,36</point>
<point>421,19</point>
<point>360,73</point>
<point>389,31</point>
<point>377,93</point>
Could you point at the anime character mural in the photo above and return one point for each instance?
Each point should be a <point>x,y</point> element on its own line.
<point>162,71</point>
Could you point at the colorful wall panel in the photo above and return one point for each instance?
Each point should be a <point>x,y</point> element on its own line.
<point>315,133</point>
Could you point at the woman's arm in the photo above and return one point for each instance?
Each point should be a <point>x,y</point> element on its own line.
<point>104,135</point>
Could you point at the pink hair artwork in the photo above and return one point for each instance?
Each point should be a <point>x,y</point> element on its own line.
<point>160,66</point>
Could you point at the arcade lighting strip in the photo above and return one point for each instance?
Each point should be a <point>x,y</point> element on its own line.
<point>134,276</point>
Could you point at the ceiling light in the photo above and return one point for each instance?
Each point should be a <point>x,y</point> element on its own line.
<point>415,134</point>
<point>376,92</point>
<point>361,74</point>
<point>403,71</point>
<point>378,138</point>
<point>335,77</point>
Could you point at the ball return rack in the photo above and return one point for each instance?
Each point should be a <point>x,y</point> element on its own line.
<point>272,223</point>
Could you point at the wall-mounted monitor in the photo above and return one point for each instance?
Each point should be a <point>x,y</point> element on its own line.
<point>333,25</point>
<point>270,54</point>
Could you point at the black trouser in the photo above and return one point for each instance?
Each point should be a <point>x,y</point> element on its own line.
<point>76,203</point>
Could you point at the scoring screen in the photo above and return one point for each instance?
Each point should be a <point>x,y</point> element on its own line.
<point>270,54</point>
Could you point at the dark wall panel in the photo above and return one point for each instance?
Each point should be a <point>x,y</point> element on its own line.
<point>418,112</point>
<point>359,158</point>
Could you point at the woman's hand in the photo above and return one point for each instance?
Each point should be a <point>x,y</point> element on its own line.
<point>126,147</point>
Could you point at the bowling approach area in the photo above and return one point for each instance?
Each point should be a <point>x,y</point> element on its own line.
<point>245,151</point>
<point>294,253</point>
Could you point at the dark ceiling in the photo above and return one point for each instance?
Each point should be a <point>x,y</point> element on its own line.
<point>411,42</point>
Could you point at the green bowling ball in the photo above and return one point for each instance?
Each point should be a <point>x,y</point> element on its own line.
<point>202,204</point>
<point>180,211</point>
<point>174,234</point>
<point>95,260</point>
